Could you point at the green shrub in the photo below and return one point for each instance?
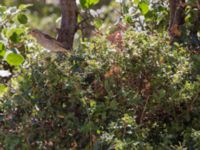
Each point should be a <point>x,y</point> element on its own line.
<point>143,97</point>
<point>126,90</point>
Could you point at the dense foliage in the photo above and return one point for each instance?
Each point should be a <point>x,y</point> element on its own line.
<point>126,88</point>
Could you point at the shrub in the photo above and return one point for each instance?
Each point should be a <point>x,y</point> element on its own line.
<point>144,96</point>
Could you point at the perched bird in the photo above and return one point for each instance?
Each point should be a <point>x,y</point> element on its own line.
<point>47,41</point>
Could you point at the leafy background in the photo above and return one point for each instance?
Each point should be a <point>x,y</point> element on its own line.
<point>125,87</point>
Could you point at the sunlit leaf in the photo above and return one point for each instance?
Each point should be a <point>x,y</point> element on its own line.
<point>2,49</point>
<point>88,3</point>
<point>144,7</point>
<point>14,59</point>
<point>24,6</point>
<point>3,89</point>
<point>4,73</point>
<point>136,1</point>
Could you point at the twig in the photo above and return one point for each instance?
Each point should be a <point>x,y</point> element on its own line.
<point>143,111</point>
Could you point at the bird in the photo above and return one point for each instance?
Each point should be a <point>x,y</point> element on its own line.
<point>47,41</point>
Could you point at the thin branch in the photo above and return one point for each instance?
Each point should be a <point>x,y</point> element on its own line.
<point>143,111</point>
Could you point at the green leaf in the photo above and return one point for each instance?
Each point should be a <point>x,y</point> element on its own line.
<point>128,19</point>
<point>2,49</point>
<point>88,3</point>
<point>14,34</point>
<point>22,18</point>
<point>15,38</point>
<point>14,59</point>
<point>2,9</point>
<point>98,23</point>
<point>144,7</point>
<point>18,31</point>
<point>3,89</point>
<point>24,6</point>
<point>136,2</point>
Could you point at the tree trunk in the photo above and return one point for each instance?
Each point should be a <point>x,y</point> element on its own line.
<point>172,5</point>
<point>68,23</point>
<point>176,18</point>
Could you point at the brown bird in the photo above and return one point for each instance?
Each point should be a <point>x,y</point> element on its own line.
<point>47,41</point>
